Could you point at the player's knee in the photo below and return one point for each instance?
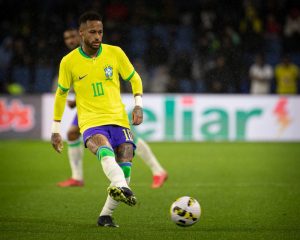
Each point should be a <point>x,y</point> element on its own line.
<point>98,140</point>
<point>73,134</point>
<point>124,152</point>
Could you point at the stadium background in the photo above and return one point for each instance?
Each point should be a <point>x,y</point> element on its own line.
<point>200,131</point>
<point>173,44</point>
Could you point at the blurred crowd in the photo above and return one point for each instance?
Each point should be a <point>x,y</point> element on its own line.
<point>195,46</point>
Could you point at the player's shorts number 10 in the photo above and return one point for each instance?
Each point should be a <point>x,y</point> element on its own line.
<point>128,134</point>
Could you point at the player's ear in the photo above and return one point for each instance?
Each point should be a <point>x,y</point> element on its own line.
<point>80,33</point>
<point>81,30</point>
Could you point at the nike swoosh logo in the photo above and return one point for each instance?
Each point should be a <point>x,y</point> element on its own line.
<point>82,76</point>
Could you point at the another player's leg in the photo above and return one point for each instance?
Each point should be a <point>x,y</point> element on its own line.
<point>75,154</point>
<point>143,150</point>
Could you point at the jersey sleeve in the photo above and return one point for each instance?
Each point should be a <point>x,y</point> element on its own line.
<point>128,73</point>
<point>126,69</point>
<point>136,84</point>
<point>64,76</point>
<point>64,84</point>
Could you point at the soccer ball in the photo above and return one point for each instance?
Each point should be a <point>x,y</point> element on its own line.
<point>185,211</point>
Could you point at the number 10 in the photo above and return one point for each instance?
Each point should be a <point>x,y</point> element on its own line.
<point>98,89</point>
<point>127,134</point>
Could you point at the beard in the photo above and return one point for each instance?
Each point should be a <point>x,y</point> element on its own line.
<point>93,45</point>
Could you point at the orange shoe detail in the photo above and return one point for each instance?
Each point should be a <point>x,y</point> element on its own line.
<point>71,183</point>
<point>159,180</point>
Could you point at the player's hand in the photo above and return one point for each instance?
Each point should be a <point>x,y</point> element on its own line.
<point>57,142</point>
<point>71,103</point>
<point>137,115</point>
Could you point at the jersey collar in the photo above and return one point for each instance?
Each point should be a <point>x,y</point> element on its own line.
<point>87,56</point>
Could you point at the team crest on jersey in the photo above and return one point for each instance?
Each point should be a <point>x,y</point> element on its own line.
<point>108,70</point>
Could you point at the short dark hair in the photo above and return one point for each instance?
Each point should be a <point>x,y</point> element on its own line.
<point>89,16</point>
<point>70,29</point>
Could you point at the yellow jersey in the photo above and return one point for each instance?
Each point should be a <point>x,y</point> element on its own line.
<point>286,78</point>
<point>96,85</point>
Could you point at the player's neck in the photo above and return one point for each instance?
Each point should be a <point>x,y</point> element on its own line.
<point>89,51</point>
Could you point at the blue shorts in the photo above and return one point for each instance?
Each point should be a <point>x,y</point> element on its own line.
<point>75,120</point>
<point>116,135</point>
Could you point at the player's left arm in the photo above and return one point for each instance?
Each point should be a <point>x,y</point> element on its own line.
<point>129,74</point>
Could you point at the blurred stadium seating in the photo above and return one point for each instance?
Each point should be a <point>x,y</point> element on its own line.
<point>155,33</point>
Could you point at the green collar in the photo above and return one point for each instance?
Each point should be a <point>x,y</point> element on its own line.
<point>87,56</point>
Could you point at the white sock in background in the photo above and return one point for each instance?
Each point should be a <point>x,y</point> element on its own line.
<point>75,153</point>
<point>144,152</point>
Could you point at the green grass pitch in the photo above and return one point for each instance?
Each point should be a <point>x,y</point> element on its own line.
<point>246,191</point>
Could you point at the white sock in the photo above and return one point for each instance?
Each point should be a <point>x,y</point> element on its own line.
<point>144,152</point>
<point>110,204</point>
<point>113,171</point>
<point>75,153</point>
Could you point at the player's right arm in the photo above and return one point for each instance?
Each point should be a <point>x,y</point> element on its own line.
<point>64,84</point>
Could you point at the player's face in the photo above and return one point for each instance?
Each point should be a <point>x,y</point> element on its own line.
<point>72,39</point>
<point>92,33</point>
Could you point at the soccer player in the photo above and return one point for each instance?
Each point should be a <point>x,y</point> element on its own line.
<point>93,70</point>
<point>75,148</point>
